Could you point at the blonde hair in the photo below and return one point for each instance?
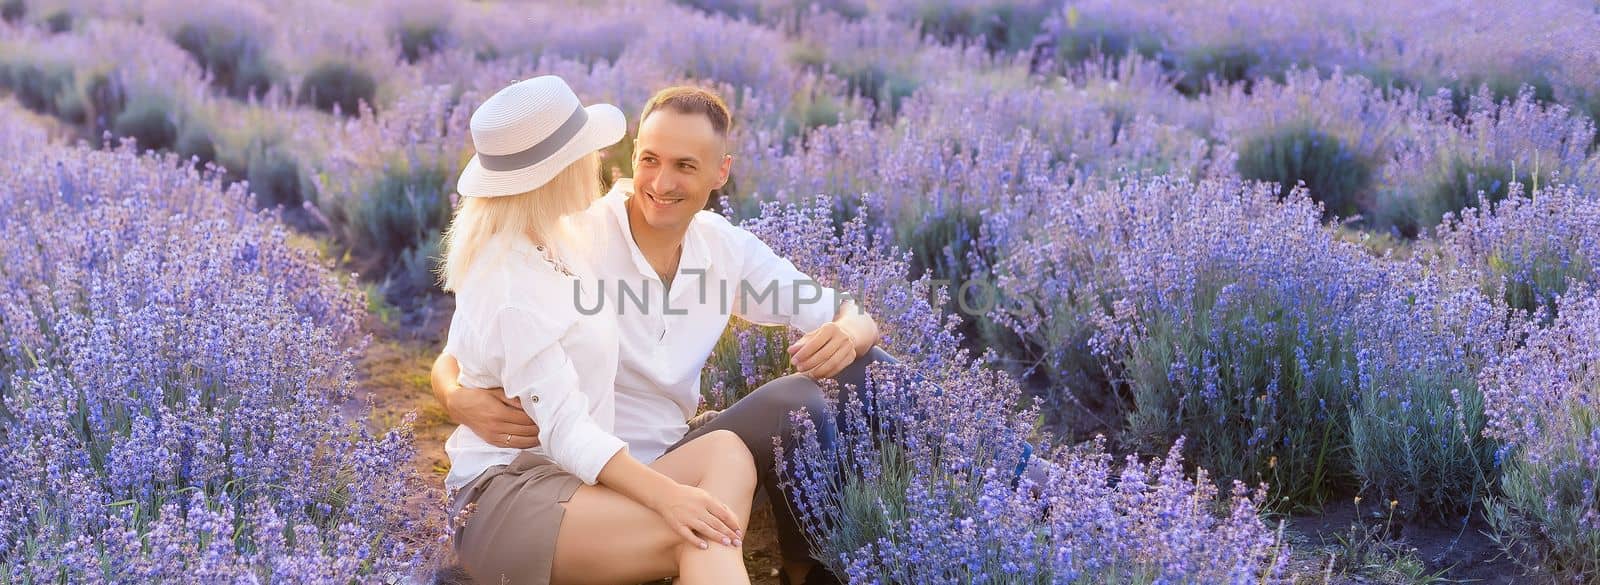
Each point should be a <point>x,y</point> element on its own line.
<point>536,215</point>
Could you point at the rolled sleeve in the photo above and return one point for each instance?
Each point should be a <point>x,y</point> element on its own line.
<point>538,372</point>
<point>782,294</point>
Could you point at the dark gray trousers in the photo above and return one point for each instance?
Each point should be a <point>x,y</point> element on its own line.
<point>763,416</point>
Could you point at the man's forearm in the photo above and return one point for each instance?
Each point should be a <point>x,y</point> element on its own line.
<point>859,325</point>
<point>443,378</point>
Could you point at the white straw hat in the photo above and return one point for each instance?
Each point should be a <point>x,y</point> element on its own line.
<point>528,132</point>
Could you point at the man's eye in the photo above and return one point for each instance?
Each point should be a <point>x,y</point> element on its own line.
<point>686,167</point>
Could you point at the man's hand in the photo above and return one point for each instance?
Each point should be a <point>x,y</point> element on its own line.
<point>823,353</point>
<point>488,413</point>
<point>497,419</point>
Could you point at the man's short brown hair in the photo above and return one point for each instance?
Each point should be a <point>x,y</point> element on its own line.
<point>688,99</point>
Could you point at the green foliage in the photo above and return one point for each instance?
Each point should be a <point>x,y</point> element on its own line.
<point>744,358</point>
<point>99,99</point>
<point>939,243</point>
<point>1369,554</point>
<point>1267,400</point>
<point>13,10</point>
<point>149,120</point>
<point>42,88</point>
<point>392,228</point>
<point>1334,174</point>
<point>811,110</point>
<point>274,172</point>
<point>237,61</point>
<point>88,98</point>
<point>1543,278</point>
<point>418,40</point>
<point>59,21</point>
<point>875,79</point>
<point>1546,513</point>
<point>1082,42</point>
<point>195,141</point>
<point>339,85</point>
<point>885,87</point>
<point>776,13</point>
<point>413,279</point>
<point>1503,88</point>
<point>1416,442</point>
<point>1003,26</point>
<point>1462,184</point>
<point>1199,69</point>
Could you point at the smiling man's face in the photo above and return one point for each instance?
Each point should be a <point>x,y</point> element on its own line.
<point>678,161</point>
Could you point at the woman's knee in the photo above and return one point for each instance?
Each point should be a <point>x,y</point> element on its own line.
<point>731,459</point>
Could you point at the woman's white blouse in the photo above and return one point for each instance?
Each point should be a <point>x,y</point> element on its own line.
<point>517,327</point>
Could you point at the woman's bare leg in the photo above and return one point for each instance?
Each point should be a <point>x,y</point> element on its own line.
<point>608,538</point>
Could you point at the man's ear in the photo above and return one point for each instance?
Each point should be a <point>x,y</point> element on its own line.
<point>724,170</point>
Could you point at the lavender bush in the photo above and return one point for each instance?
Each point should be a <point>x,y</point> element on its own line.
<point>1088,159</point>
<point>174,374</point>
<point>1450,163</point>
<point>931,449</point>
<point>1529,250</point>
<point>1417,422</point>
<point>1461,49</point>
<point>386,189</point>
<point>1542,401</point>
<point>1331,134</point>
<point>90,78</point>
<point>1238,330</point>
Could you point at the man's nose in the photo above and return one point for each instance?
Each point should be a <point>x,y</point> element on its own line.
<point>665,182</point>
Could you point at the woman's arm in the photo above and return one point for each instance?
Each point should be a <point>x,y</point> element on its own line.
<point>544,380</point>
<point>691,511</point>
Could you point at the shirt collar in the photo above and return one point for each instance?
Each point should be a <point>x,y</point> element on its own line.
<point>696,252</point>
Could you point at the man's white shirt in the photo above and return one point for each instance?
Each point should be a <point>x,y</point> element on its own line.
<point>667,335</point>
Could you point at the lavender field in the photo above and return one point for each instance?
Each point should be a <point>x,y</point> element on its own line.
<point>1293,292</point>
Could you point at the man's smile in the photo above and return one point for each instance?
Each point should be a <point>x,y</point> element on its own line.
<point>662,202</point>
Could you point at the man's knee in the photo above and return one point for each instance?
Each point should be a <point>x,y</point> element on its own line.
<point>855,374</point>
<point>794,392</point>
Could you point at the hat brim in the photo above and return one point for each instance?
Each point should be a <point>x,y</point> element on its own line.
<point>605,127</point>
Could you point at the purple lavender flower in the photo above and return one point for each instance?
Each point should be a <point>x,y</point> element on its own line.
<point>1529,250</point>
<point>921,488</point>
<point>175,374</point>
<point>1541,400</point>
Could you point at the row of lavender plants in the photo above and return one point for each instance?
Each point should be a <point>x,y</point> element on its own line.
<point>1397,158</point>
<point>176,387</point>
<point>1296,338</point>
<point>924,487</point>
<point>1202,42</point>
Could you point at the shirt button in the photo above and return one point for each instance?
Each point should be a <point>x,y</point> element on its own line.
<point>533,398</point>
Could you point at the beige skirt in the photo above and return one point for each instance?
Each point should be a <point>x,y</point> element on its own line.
<point>508,519</point>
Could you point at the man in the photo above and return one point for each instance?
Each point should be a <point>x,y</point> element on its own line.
<point>678,273</point>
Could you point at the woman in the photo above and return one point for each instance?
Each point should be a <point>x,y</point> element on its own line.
<point>579,508</point>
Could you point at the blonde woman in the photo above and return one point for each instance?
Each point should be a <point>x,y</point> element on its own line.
<point>578,508</point>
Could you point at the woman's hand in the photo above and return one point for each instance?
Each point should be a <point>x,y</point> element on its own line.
<point>694,513</point>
